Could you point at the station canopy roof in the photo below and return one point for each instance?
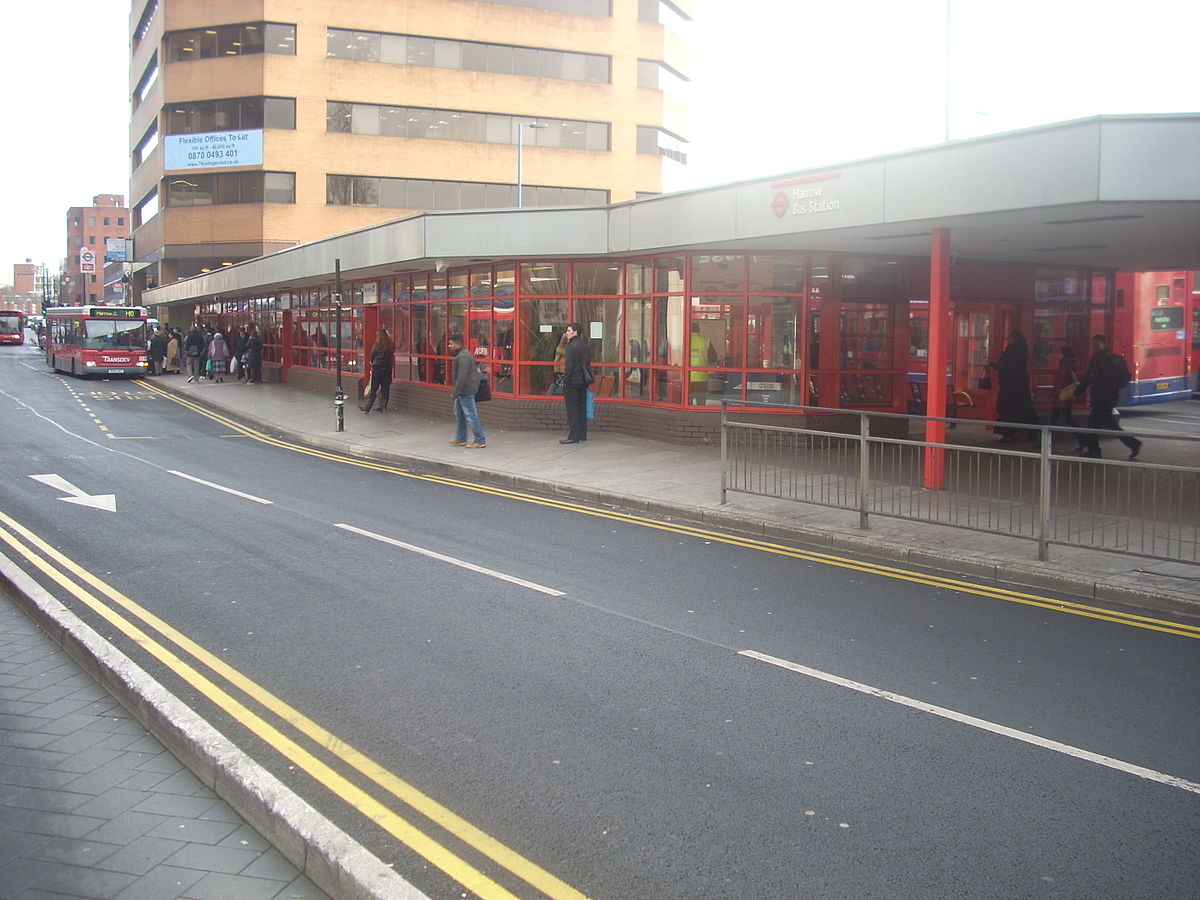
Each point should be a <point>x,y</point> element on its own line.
<point>1116,192</point>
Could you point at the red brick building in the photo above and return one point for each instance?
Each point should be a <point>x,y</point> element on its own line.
<point>87,227</point>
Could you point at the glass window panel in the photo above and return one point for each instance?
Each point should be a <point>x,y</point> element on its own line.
<point>574,67</point>
<point>393,193</point>
<point>550,63</point>
<point>393,121</point>
<point>366,190</point>
<point>447,54</point>
<point>549,136</point>
<point>601,321</point>
<point>525,61</point>
<point>472,127</point>
<point>366,46</point>
<point>279,187</point>
<point>596,136</point>
<point>499,59</point>
<point>573,135</point>
<point>365,119</point>
<point>574,197</point>
<point>718,273</point>
<point>647,74</point>
<point>668,332</point>
<point>339,190</point>
<point>598,69</point>
<point>280,38</point>
<point>393,48</point>
<point>250,186</point>
<point>771,333</point>
<point>472,196</point>
<point>247,113</point>
<point>596,278</point>
<point>777,273</point>
<point>203,118</point>
<point>597,198</point>
<point>279,112</point>
<point>668,274</point>
<point>252,38</point>
<point>546,196</point>
<point>420,194</point>
<point>445,195</point>
<point>637,278</point>
<point>499,129</point>
<point>647,140</point>
<point>339,43</point>
<point>544,278</point>
<point>474,56</point>
<point>870,273</point>
<point>420,122</point>
<point>420,51</point>
<point>445,126</point>
<point>226,188</point>
<point>499,196</point>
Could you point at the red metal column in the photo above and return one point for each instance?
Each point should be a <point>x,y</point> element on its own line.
<point>939,348</point>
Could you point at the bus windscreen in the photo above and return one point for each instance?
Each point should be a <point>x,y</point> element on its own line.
<point>114,334</point>
<point>10,324</point>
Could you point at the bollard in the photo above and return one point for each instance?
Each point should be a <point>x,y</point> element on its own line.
<point>339,411</point>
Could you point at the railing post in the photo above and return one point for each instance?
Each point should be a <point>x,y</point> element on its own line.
<point>864,467</point>
<point>724,453</point>
<point>1044,491</point>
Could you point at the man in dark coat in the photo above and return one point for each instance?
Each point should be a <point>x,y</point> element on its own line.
<point>1107,373</point>
<point>577,375</point>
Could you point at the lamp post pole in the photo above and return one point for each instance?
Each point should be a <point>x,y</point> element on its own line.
<point>339,398</point>
<point>521,126</point>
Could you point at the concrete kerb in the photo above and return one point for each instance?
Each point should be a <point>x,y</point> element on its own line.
<point>1000,573</point>
<point>327,856</point>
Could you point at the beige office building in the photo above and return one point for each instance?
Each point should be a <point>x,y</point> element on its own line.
<point>260,125</point>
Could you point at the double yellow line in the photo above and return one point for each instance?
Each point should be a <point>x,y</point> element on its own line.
<point>936,581</point>
<point>104,599</point>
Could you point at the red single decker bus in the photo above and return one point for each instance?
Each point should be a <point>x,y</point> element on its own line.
<point>12,326</point>
<point>97,340</point>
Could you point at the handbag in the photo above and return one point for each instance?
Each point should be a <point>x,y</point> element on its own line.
<point>1068,393</point>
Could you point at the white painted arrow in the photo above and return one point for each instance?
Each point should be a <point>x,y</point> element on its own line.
<point>96,501</point>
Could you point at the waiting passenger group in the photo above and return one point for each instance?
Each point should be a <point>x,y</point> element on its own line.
<point>207,353</point>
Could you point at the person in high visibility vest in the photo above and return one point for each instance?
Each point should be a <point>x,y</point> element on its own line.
<point>703,354</point>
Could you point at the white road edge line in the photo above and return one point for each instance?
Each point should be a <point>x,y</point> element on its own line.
<point>219,487</point>
<point>962,718</point>
<point>534,586</point>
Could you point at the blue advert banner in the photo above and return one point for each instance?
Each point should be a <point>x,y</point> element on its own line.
<point>215,150</point>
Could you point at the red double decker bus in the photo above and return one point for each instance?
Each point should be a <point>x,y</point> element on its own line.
<point>12,326</point>
<point>1154,328</point>
<point>97,340</point>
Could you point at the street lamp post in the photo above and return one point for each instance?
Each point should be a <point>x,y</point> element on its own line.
<point>521,126</point>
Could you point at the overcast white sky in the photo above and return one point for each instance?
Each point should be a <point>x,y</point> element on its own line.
<point>780,85</point>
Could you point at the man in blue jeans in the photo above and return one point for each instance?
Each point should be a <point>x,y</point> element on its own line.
<point>464,375</point>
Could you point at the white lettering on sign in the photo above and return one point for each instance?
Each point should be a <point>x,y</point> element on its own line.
<point>806,200</point>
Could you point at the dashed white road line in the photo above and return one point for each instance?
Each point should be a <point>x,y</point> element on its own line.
<point>964,719</point>
<point>463,564</point>
<point>220,487</point>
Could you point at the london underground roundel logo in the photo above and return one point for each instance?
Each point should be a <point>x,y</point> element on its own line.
<point>779,204</point>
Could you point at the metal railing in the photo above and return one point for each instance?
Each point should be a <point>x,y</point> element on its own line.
<point>869,462</point>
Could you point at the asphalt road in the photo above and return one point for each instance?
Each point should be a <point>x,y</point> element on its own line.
<point>631,709</point>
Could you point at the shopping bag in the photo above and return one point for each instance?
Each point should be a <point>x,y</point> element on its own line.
<point>591,405</point>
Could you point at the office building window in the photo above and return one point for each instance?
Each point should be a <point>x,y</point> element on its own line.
<point>234,114</point>
<point>461,125</point>
<point>146,82</point>
<point>579,7</point>
<point>656,142</point>
<point>231,40</point>
<point>411,50</point>
<point>413,193</point>
<point>143,25</point>
<point>146,145</point>
<point>147,209</point>
<point>224,188</point>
